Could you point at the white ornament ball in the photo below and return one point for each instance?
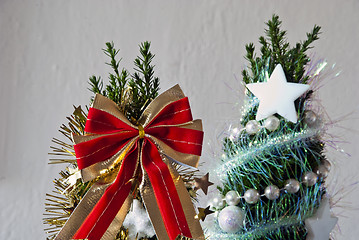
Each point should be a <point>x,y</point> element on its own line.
<point>231,219</point>
<point>232,198</point>
<point>271,123</point>
<point>251,196</point>
<point>272,192</point>
<point>292,185</point>
<point>310,178</point>
<point>217,201</point>
<point>252,127</point>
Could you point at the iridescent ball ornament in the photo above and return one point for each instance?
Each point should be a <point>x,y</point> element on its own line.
<point>271,123</point>
<point>272,192</point>
<point>251,196</point>
<point>292,185</point>
<point>231,219</point>
<point>232,198</point>
<point>252,127</point>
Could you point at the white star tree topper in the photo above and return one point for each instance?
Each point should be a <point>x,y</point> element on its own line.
<point>321,224</point>
<point>277,95</point>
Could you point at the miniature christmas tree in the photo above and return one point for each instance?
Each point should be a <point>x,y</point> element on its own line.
<point>123,182</point>
<point>273,168</point>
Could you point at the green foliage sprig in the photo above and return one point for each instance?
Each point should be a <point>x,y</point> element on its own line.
<point>276,50</point>
<point>132,93</point>
<point>143,84</point>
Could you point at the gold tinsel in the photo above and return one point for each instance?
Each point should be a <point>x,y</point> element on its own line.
<point>64,198</point>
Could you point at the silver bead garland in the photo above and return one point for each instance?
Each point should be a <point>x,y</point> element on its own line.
<point>322,171</point>
<point>292,185</point>
<point>252,127</point>
<point>218,201</point>
<point>272,192</point>
<point>251,196</point>
<point>310,118</point>
<point>310,178</point>
<point>327,164</point>
<point>232,198</point>
<point>271,123</point>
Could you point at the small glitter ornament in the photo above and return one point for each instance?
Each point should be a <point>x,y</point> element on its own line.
<point>252,127</point>
<point>232,198</point>
<point>272,192</point>
<point>231,219</point>
<point>251,196</point>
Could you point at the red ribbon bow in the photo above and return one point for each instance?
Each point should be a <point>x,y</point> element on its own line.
<point>166,132</point>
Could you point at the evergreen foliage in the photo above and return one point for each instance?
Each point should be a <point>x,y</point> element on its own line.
<point>133,92</point>
<point>276,50</point>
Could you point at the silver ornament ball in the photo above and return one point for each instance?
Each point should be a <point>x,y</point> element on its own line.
<point>231,219</point>
<point>252,127</point>
<point>322,171</point>
<point>292,185</point>
<point>232,198</point>
<point>271,123</point>
<point>217,201</point>
<point>310,118</point>
<point>251,196</point>
<point>310,178</point>
<point>272,192</point>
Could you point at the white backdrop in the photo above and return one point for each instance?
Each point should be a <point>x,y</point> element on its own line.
<point>49,48</point>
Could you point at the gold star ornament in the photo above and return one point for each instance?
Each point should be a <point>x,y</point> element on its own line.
<point>202,183</point>
<point>203,212</point>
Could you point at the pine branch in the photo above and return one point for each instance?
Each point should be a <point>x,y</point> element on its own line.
<point>132,93</point>
<point>277,38</point>
<point>143,84</point>
<point>276,50</point>
<point>118,80</point>
<point>96,84</point>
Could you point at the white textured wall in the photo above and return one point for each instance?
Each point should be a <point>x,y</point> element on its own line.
<point>49,48</point>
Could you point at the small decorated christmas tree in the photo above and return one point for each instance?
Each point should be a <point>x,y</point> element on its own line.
<point>133,156</point>
<point>273,168</point>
